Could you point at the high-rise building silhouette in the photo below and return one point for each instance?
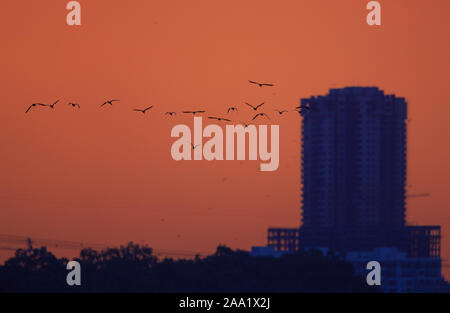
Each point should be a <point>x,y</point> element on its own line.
<point>354,159</point>
<point>354,177</point>
<point>353,195</point>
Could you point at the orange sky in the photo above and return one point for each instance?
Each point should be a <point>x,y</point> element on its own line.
<point>106,175</point>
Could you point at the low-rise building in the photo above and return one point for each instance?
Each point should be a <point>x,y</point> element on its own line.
<point>400,273</point>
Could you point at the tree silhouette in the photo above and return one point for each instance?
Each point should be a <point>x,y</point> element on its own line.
<point>134,268</point>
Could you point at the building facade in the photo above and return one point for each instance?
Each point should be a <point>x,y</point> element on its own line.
<point>400,273</point>
<point>354,159</point>
<point>354,178</point>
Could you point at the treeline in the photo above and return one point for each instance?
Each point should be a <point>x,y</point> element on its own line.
<point>134,268</point>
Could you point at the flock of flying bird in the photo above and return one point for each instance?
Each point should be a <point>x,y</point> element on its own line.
<point>300,109</point>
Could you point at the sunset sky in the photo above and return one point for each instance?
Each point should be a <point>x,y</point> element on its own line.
<point>106,174</point>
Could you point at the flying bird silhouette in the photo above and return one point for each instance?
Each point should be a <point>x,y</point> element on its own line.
<point>256,107</point>
<point>144,110</point>
<point>260,114</point>
<point>193,147</point>
<point>232,109</point>
<point>281,112</point>
<point>33,105</point>
<point>171,113</point>
<point>193,112</point>
<point>53,105</point>
<point>303,107</point>
<point>75,105</point>
<point>260,84</point>
<point>219,118</point>
<point>109,101</point>
<point>246,124</point>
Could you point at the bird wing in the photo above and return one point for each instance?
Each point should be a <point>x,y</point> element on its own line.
<point>188,112</point>
<point>259,104</point>
<point>44,105</point>
<point>253,82</point>
<point>225,119</point>
<point>255,116</point>
<point>29,108</point>
<point>228,110</point>
<point>55,102</point>
<point>213,117</point>
<point>149,108</point>
<point>250,105</point>
<point>270,85</point>
<point>137,110</point>
<point>199,111</point>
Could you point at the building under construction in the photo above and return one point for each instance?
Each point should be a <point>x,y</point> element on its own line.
<point>354,177</point>
<point>416,241</point>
